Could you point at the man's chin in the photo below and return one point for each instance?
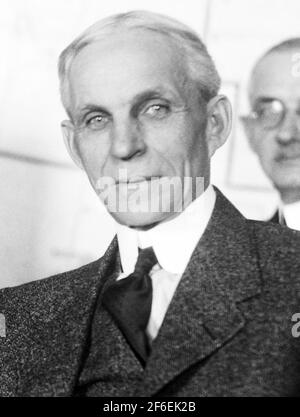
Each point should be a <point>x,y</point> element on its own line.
<point>287,178</point>
<point>144,220</point>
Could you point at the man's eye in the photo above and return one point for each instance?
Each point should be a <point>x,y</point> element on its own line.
<point>157,111</point>
<point>97,122</point>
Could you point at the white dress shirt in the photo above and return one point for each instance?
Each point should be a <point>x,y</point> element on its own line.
<point>291,214</point>
<point>173,242</point>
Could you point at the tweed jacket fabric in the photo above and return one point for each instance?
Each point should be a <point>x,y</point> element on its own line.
<point>227,331</point>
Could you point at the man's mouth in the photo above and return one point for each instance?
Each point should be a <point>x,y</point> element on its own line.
<point>137,179</point>
<point>289,156</point>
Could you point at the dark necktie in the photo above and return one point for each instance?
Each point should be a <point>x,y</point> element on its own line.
<point>129,301</point>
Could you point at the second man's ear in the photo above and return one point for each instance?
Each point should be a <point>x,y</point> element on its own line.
<point>68,132</point>
<point>219,122</point>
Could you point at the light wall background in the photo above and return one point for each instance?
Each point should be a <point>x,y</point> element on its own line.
<point>50,220</point>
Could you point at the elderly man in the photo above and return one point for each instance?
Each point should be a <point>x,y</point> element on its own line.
<point>273,127</point>
<point>190,299</point>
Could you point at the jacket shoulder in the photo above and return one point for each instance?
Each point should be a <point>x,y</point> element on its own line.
<point>270,234</point>
<point>278,249</point>
<point>61,287</point>
<point>58,283</point>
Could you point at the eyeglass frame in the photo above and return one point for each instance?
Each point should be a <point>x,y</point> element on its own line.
<point>254,114</point>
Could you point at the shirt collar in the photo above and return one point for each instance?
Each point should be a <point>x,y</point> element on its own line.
<point>173,241</point>
<point>291,213</point>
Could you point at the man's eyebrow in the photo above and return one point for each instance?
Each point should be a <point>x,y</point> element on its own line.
<point>157,93</point>
<point>264,99</point>
<point>88,108</point>
<point>150,94</point>
<point>143,98</point>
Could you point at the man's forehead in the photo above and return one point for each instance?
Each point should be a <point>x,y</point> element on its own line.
<point>275,77</point>
<point>135,43</point>
<point>125,67</point>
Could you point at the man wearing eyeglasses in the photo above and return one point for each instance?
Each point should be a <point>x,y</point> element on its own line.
<point>273,126</point>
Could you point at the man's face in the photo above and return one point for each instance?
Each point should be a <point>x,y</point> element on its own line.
<point>134,112</point>
<point>278,147</point>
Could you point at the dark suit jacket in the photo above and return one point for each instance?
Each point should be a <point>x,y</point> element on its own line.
<point>227,331</point>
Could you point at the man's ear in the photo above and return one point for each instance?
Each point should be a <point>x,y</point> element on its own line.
<point>219,122</point>
<point>67,128</point>
<point>248,126</point>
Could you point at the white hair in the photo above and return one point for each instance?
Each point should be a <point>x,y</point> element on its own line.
<point>200,66</point>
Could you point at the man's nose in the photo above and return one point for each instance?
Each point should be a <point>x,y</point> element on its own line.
<point>126,141</point>
<point>289,129</point>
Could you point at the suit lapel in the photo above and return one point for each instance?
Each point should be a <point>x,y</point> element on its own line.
<point>47,335</point>
<point>203,314</point>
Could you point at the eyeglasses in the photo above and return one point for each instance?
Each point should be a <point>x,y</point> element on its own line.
<point>270,113</point>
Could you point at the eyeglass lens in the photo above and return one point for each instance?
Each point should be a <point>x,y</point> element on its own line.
<point>269,113</point>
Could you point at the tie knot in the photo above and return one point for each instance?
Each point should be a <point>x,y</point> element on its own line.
<point>145,261</point>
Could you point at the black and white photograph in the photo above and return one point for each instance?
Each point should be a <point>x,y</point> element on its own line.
<point>149,201</point>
